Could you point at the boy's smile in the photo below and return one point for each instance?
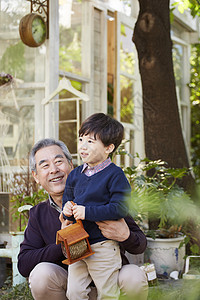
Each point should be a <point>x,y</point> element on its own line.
<point>92,150</point>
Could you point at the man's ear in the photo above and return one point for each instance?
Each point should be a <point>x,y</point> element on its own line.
<point>35,176</point>
<point>71,165</point>
<point>110,148</point>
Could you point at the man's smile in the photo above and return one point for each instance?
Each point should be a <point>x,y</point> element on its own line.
<point>56,179</point>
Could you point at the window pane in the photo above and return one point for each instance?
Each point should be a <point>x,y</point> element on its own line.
<point>69,118</point>
<point>18,104</point>
<point>127,55</point>
<point>123,6</point>
<point>4,216</point>
<point>18,143</point>
<point>177,52</point>
<point>127,101</point>
<point>70,52</point>
<point>20,61</point>
<point>67,134</point>
<point>67,110</point>
<point>132,148</point>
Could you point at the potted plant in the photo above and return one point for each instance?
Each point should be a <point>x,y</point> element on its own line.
<point>163,207</point>
<point>25,193</point>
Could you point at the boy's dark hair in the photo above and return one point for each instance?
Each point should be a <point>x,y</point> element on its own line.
<point>107,129</point>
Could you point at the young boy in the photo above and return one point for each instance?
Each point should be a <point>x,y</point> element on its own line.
<point>98,188</point>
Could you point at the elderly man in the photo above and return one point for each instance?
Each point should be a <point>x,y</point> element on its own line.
<point>40,258</point>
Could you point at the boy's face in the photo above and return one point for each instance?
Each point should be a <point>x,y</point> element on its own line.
<point>92,150</point>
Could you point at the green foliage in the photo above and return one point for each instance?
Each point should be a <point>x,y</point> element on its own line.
<point>70,54</point>
<point>195,109</point>
<point>5,78</point>
<point>24,191</point>
<point>192,5</point>
<point>19,292</point>
<point>161,178</point>
<point>156,196</point>
<point>171,290</point>
<point>180,290</point>
<point>176,290</point>
<point>21,200</point>
<point>13,60</point>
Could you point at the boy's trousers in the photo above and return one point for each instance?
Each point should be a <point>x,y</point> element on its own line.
<point>102,267</point>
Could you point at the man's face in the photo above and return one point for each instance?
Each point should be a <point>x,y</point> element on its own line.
<point>52,170</point>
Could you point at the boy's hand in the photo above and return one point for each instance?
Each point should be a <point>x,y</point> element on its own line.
<point>79,212</point>
<point>67,209</point>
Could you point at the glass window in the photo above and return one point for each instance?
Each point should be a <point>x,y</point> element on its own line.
<point>181,65</point>
<point>4,216</point>
<point>67,133</point>
<point>111,63</point>
<point>121,76</point>
<point>127,56</point>
<point>20,61</point>
<point>21,121</point>
<point>127,68</point>
<point>9,151</point>
<point>177,52</point>
<point>127,101</point>
<point>70,111</point>
<point>19,99</point>
<point>122,6</point>
<point>70,50</point>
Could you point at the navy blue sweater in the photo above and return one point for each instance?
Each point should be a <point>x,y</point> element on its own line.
<point>102,194</point>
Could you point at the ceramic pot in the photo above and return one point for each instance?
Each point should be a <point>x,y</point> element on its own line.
<point>165,254</point>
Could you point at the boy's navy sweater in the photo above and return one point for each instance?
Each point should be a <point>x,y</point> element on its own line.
<point>102,194</point>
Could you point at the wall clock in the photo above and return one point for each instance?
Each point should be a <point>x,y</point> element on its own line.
<point>33,30</point>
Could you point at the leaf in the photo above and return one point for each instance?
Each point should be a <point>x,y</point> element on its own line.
<point>194,249</point>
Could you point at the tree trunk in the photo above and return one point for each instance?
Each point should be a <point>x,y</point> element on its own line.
<point>162,127</point>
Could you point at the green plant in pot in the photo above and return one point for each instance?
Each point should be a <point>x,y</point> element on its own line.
<point>25,193</point>
<point>165,206</point>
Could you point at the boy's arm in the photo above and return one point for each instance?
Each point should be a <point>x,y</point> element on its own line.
<point>68,196</point>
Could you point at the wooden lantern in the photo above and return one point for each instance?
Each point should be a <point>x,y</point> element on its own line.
<point>74,242</point>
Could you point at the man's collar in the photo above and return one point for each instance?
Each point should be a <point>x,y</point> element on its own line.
<point>54,205</point>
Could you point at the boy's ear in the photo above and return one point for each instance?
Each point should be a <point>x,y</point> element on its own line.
<point>110,148</point>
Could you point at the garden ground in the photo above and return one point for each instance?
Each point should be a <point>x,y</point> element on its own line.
<point>165,290</point>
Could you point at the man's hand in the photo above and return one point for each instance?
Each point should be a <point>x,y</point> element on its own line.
<point>64,222</point>
<point>114,230</point>
<point>78,212</point>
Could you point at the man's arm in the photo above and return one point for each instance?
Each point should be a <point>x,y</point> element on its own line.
<point>39,243</point>
<point>127,232</point>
